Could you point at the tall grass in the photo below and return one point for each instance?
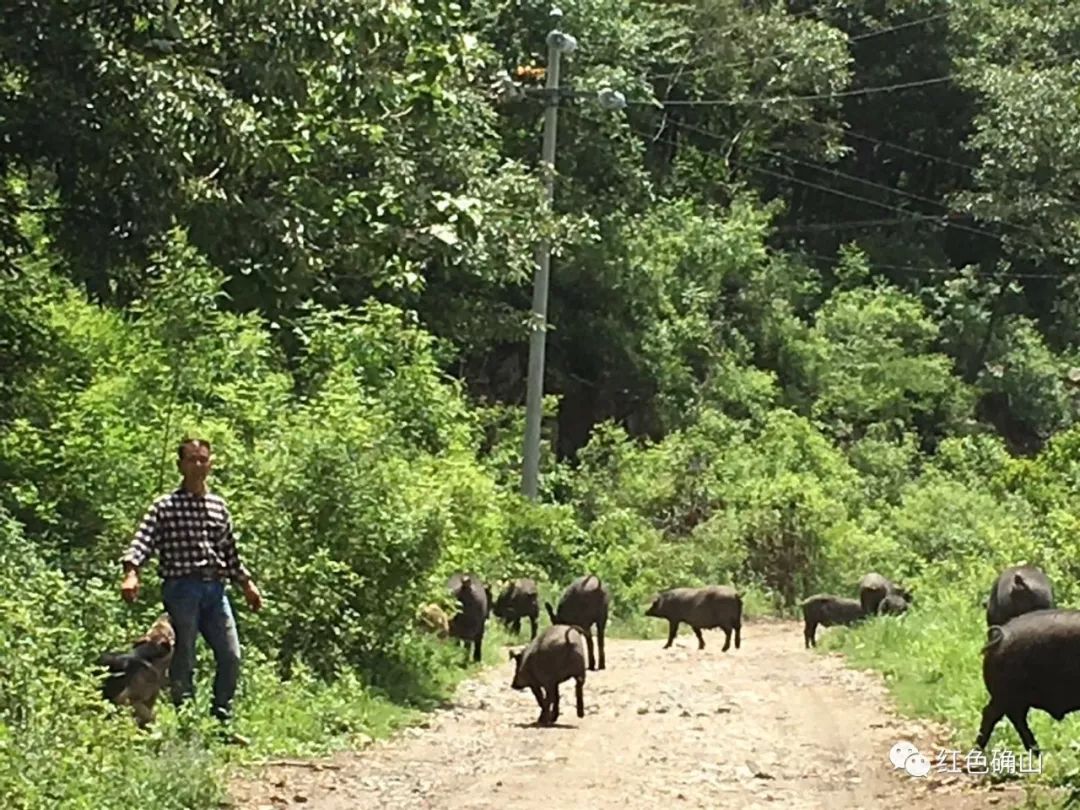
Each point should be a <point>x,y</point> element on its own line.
<point>931,661</point>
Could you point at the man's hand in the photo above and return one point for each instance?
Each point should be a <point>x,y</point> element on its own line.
<point>129,587</point>
<point>252,595</point>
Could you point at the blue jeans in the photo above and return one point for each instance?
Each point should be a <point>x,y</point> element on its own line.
<point>201,606</point>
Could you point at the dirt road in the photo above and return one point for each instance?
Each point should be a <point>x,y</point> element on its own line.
<point>767,726</point>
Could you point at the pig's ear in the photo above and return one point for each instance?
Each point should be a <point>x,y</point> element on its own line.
<point>515,655</point>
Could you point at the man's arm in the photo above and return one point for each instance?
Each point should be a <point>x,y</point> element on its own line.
<point>144,543</point>
<point>237,571</point>
<point>235,568</point>
<point>140,550</point>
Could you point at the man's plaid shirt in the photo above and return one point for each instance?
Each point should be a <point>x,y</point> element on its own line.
<point>192,534</point>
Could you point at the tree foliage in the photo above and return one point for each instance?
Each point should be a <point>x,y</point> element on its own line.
<point>812,311</point>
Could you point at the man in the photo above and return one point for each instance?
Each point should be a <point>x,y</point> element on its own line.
<point>191,530</point>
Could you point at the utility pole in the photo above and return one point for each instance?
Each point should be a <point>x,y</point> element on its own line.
<point>558,43</point>
<point>506,88</point>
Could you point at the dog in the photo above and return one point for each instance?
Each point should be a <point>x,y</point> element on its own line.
<point>432,618</point>
<point>135,678</point>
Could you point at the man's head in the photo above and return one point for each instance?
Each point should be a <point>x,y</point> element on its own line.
<point>194,460</point>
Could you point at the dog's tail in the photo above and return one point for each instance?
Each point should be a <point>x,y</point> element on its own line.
<point>126,664</point>
<point>116,663</point>
<point>122,663</point>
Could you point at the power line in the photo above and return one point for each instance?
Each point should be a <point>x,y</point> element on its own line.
<point>835,129</point>
<point>901,192</point>
<point>708,102</point>
<point>713,102</point>
<point>909,217</point>
<point>840,193</point>
<point>898,147</point>
<point>935,271</point>
<point>890,29</point>
<point>686,70</point>
<point>857,223</point>
<point>856,197</point>
<point>765,100</point>
<point>845,175</point>
<point>727,29</point>
<point>957,225</point>
<point>848,195</point>
<point>744,62</point>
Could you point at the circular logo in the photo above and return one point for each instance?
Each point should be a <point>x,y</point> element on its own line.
<point>899,753</point>
<point>917,765</point>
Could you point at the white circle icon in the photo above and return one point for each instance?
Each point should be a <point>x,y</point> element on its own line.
<point>917,765</point>
<point>899,753</point>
